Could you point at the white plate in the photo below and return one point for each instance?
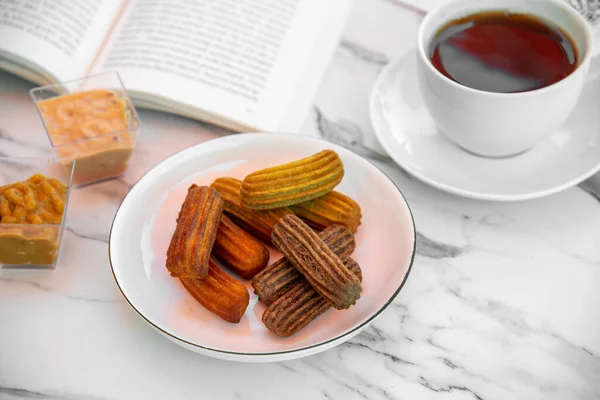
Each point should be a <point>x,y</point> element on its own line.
<point>145,221</point>
<point>408,134</point>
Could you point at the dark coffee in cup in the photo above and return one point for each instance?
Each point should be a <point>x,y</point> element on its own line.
<point>502,52</point>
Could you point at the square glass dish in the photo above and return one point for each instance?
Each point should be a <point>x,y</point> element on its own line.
<point>92,121</point>
<point>34,197</point>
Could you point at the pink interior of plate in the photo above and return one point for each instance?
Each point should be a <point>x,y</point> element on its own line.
<point>385,244</point>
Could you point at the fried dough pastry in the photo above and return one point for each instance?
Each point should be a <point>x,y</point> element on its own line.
<point>240,251</point>
<point>258,223</point>
<point>292,183</point>
<point>331,208</point>
<point>299,306</point>
<point>219,293</point>
<point>316,261</point>
<point>194,236</point>
<point>281,275</point>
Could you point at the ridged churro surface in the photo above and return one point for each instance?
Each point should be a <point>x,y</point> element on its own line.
<point>219,293</point>
<point>279,276</point>
<point>195,234</point>
<point>292,183</point>
<point>316,261</point>
<point>299,306</point>
<point>238,250</point>
<point>331,208</point>
<point>259,223</point>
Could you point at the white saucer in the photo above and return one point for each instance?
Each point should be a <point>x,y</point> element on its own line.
<point>408,134</point>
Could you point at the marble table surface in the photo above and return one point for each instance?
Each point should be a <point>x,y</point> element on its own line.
<point>503,301</point>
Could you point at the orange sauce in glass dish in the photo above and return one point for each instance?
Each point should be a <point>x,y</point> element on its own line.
<point>27,209</point>
<point>90,127</point>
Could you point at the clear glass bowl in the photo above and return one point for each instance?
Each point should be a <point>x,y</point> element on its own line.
<point>30,245</point>
<point>79,127</point>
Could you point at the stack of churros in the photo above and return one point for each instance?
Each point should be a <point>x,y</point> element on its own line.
<point>292,207</point>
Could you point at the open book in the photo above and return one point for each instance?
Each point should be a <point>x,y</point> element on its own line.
<point>242,64</point>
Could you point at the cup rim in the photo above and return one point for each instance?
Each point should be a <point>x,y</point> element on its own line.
<point>421,50</point>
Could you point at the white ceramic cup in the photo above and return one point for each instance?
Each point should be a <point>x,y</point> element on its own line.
<point>501,124</point>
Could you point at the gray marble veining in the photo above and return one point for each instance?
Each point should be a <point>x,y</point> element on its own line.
<point>502,301</point>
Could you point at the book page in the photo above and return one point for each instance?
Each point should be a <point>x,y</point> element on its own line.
<point>60,36</point>
<point>310,47</point>
<point>240,60</point>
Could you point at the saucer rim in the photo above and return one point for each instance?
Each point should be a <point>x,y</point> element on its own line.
<point>385,140</point>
